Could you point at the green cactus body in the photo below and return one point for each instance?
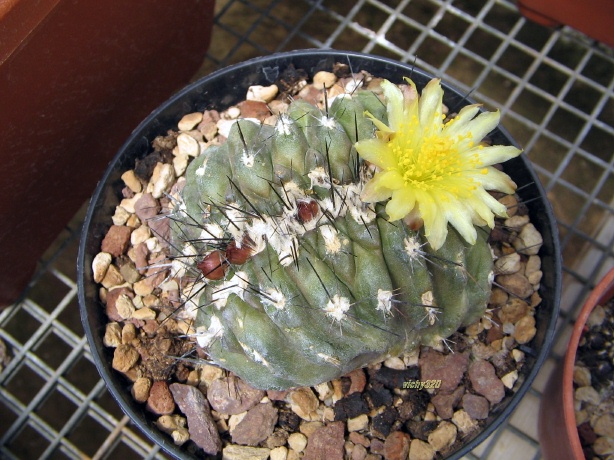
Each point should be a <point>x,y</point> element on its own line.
<point>314,283</point>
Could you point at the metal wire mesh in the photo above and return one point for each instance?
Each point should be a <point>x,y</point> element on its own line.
<point>555,90</point>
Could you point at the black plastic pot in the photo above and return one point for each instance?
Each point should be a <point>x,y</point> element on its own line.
<point>226,87</point>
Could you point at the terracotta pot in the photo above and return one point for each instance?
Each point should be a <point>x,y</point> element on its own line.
<point>227,87</point>
<point>594,18</point>
<point>558,433</point>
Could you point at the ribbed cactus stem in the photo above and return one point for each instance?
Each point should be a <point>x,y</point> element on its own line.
<point>296,279</point>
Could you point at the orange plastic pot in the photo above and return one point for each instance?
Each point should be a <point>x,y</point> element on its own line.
<point>558,434</point>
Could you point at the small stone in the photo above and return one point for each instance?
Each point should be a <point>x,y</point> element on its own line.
<point>254,109</point>
<point>484,381</point>
<point>464,422</point>
<point>359,453</point>
<point>509,379</point>
<point>125,357</point>
<point>508,264</point>
<point>586,433</point>
<point>525,329</point>
<point>443,436</point>
<point>202,427</point>
<point>277,395</point>
<point>112,297</point>
<point>180,164</point>
<point>309,428</point>
<point>128,333</point>
<point>446,402</point>
<point>304,403</point>
<point>604,446</point>
<point>513,310</point>
<point>516,223</point>
<point>187,146</point>
<point>420,450</point>
<point>144,314</point>
<point>326,443</point>
<point>162,179</point>
<point>351,406</point>
<point>128,270</point>
<point>604,425</point>
<point>359,423</point>
<point>396,446</point>
<point>256,426</point>
<point>117,240</point>
<point>395,363</point>
<point>278,438</point>
<point>324,390</point>
<point>160,400</point>
<point>596,317</point>
<point>278,453</point>
<point>100,264</point>
<point>517,284</point>
<point>297,442</point>
<point>498,297</point>
<point>394,378</point>
<point>358,381</point>
<point>529,240</point>
<point>262,93</point>
<point>112,335</point>
<point>230,395</point>
<point>322,80</point>
<point>383,422</point>
<point>447,368</point>
<point>234,452</point>
<point>189,121</point>
<point>147,207</point>
<point>121,216</point>
<point>140,389</point>
<point>131,181</point>
<point>128,203</point>
<point>358,438</point>
<point>112,278</point>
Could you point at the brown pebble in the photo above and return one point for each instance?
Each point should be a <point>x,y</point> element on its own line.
<point>111,307</point>
<point>516,284</point>
<point>447,368</point>
<point>396,446</point>
<point>203,429</point>
<point>358,381</point>
<point>125,357</point>
<point>513,310</point>
<point>476,406</point>
<point>146,207</point>
<point>358,438</point>
<point>160,400</point>
<point>254,109</point>
<point>230,395</point>
<point>446,402</point>
<point>484,381</point>
<point>140,389</point>
<point>525,329</point>
<point>326,443</point>
<point>117,240</point>
<point>256,426</point>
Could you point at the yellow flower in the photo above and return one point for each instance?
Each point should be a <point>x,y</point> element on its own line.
<point>437,171</point>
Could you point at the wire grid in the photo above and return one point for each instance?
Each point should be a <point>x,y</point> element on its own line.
<point>555,92</point>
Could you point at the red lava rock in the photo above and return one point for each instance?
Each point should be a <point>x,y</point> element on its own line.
<point>358,381</point>
<point>254,109</point>
<point>202,427</point>
<point>162,229</point>
<point>378,396</point>
<point>231,395</point>
<point>587,434</point>
<point>447,368</point>
<point>358,438</point>
<point>256,426</point>
<point>484,381</point>
<point>160,400</point>
<point>146,207</point>
<point>116,240</point>
<point>326,443</point>
<point>112,297</point>
<point>476,406</point>
<point>396,446</point>
<point>494,333</point>
<point>446,402</point>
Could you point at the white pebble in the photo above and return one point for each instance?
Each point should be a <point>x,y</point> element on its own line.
<point>508,264</point>
<point>162,179</point>
<point>279,453</point>
<point>297,441</point>
<point>180,163</point>
<point>509,379</point>
<point>189,121</point>
<point>128,203</point>
<point>121,216</point>
<point>187,146</point>
<point>140,235</point>
<point>395,363</point>
<point>588,394</point>
<point>323,80</point>
<point>100,264</point>
<point>529,240</point>
<point>125,307</point>
<point>262,93</point>
<point>144,314</point>
<point>131,181</point>
<point>358,423</point>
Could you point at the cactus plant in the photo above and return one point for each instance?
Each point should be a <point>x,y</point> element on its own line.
<point>308,248</point>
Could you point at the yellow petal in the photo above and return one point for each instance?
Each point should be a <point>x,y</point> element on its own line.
<point>391,179</point>
<point>460,217</point>
<point>458,126</point>
<point>394,104</point>
<point>401,204</point>
<point>374,191</point>
<point>375,151</point>
<point>493,180</point>
<point>378,124</point>
<point>481,125</point>
<point>497,154</point>
<point>431,105</point>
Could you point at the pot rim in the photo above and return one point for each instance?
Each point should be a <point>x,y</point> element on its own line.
<point>269,65</point>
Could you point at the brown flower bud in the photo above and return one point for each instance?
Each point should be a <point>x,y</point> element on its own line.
<point>213,266</point>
